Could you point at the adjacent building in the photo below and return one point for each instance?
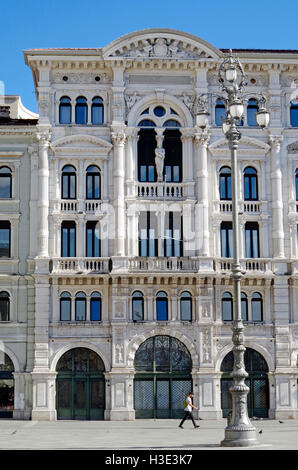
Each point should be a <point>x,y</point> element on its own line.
<point>116,234</point>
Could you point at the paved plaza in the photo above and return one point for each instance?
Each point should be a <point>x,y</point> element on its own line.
<point>139,434</point>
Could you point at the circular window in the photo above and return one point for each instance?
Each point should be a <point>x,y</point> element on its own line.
<point>97,79</point>
<point>65,78</point>
<point>159,111</point>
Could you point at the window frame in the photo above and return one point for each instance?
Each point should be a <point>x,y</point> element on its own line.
<point>6,225</point>
<point>91,176</point>
<point>9,176</point>
<point>250,227</point>
<point>81,105</point>
<point>5,300</point>
<point>248,183</point>
<point>66,105</point>
<point>137,298</point>
<point>188,300</point>
<point>162,299</point>
<point>65,300</point>
<point>67,225</point>
<point>68,175</point>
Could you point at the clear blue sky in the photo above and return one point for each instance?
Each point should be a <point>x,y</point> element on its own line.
<point>25,24</point>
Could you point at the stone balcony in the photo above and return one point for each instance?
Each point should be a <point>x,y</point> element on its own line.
<point>80,265</point>
<point>162,190</point>
<point>247,207</point>
<point>248,265</point>
<point>76,206</point>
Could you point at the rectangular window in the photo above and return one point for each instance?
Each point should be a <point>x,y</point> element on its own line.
<point>147,234</point>
<point>92,240</point>
<point>68,239</point>
<point>252,240</point>
<point>65,309</point>
<point>80,309</point>
<point>137,309</point>
<point>162,309</point>
<point>173,241</point>
<point>226,238</point>
<point>4,239</point>
<point>95,310</point>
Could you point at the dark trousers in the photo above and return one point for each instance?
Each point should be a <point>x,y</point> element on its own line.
<point>188,415</point>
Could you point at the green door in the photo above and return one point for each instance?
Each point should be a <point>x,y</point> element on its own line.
<point>80,386</point>
<point>163,378</point>
<point>257,381</point>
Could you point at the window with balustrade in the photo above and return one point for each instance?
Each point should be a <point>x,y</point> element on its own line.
<point>93,244</point>
<point>173,153</point>
<point>225,183</point>
<point>252,248</point>
<point>173,238</point>
<point>146,154</point>
<point>226,239</point>
<point>137,306</point>
<point>69,182</point>
<point>250,184</point>
<point>93,182</point>
<point>68,239</point>
<point>148,239</point>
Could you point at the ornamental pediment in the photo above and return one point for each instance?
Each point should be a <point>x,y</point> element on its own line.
<point>81,144</point>
<point>160,44</point>
<point>247,145</point>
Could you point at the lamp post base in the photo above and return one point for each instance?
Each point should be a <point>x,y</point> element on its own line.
<point>240,438</point>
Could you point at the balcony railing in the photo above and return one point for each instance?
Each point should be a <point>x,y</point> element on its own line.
<point>163,264</point>
<point>71,206</point>
<point>250,265</point>
<point>80,265</point>
<point>248,207</point>
<point>161,190</point>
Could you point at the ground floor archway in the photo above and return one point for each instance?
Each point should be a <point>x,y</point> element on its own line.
<point>80,385</point>
<point>163,378</point>
<point>257,381</point>
<point>6,386</point>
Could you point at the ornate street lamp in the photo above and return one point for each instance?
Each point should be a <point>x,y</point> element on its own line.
<point>239,432</point>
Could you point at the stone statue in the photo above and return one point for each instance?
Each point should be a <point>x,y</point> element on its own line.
<point>159,162</point>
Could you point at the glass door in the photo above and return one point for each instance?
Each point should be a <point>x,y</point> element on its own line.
<point>80,399</point>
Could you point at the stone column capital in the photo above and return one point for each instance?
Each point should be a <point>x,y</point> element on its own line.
<point>202,138</point>
<point>118,138</point>
<point>275,141</point>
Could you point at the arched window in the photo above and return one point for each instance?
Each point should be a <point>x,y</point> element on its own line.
<point>227,306</point>
<point>81,110</point>
<point>294,113</point>
<point>93,180</point>
<point>186,306</point>
<point>4,306</point>
<point>256,307</point>
<point>244,307</point>
<point>220,112</point>
<point>65,306</point>
<point>5,182</point>
<point>97,110</point>
<point>95,306</point>
<point>171,123</point>
<point>69,178</point>
<point>146,123</point>
<point>80,306</point>
<point>161,306</point>
<point>296,181</point>
<point>146,155</point>
<point>250,184</point>
<point>225,183</point>
<point>137,306</point>
<point>65,110</point>
<point>173,155</point>
<point>252,109</point>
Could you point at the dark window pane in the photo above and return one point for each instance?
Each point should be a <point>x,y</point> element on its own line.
<point>5,186</point>
<point>4,306</point>
<point>5,239</point>
<point>64,114</point>
<point>252,109</point>
<point>95,309</point>
<point>161,309</point>
<point>227,307</point>
<point>97,114</point>
<point>137,309</point>
<point>220,113</point>
<point>80,309</point>
<point>294,114</point>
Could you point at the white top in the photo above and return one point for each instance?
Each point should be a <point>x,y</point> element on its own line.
<point>189,402</point>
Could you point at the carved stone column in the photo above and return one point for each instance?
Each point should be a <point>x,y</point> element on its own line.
<point>131,161</point>
<point>43,137</point>
<point>119,139</point>
<point>202,205</point>
<point>277,199</point>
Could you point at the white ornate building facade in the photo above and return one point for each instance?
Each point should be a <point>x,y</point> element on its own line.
<point>115,234</point>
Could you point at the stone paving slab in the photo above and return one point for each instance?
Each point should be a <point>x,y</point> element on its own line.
<point>138,434</point>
